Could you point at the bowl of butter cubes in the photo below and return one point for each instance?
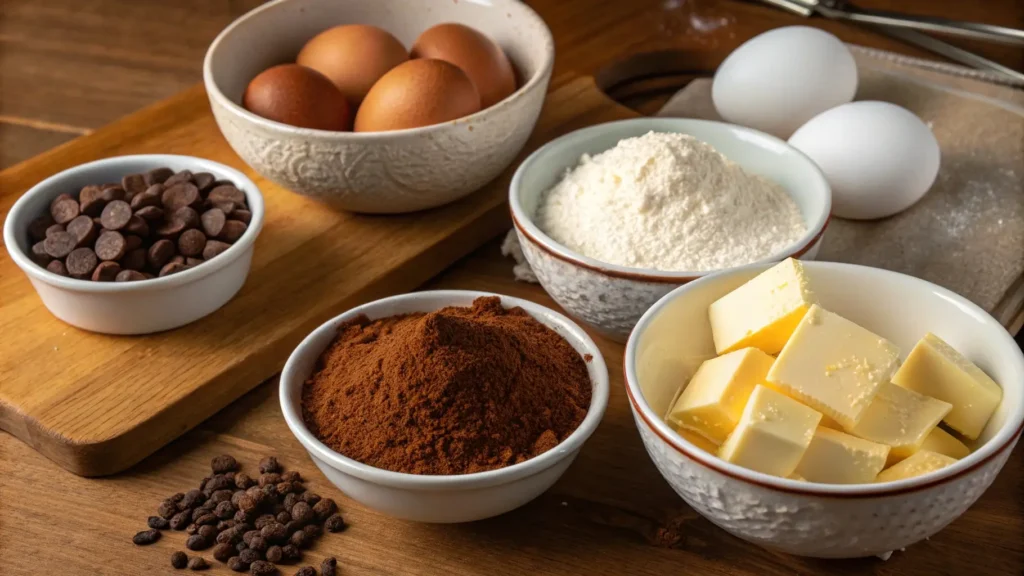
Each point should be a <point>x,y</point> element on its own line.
<point>825,409</point>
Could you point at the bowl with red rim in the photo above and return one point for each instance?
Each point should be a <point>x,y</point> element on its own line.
<point>609,297</point>
<point>806,518</point>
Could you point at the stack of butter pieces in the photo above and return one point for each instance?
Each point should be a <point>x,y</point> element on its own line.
<point>803,393</point>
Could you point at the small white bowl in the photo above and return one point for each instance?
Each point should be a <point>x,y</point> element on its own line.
<point>144,306</point>
<point>813,519</point>
<point>611,298</point>
<point>442,499</point>
<point>378,172</point>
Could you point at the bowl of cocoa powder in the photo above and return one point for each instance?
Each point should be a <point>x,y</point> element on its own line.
<point>445,406</point>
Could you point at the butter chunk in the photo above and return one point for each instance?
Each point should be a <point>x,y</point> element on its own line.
<point>935,369</point>
<point>834,365</point>
<point>763,312</point>
<point>698,440</point>
<point>772,434</point>
<point>942,442</point>
<point>921,462</point>
<point>900,418</point>
<point>836,457</point>
<point>712,402</point>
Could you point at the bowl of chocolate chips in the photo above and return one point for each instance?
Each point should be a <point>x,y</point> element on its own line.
<point>136,244</point>
<point>445,406</point>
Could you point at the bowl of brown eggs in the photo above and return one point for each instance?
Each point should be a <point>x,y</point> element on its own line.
<point>380,107</point>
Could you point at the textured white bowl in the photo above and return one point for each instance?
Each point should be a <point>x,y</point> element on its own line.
<point>447,499</point>
<point>144,306</point>
<point>812,519</point>
<point>381,172</point>
<point>611,298</point>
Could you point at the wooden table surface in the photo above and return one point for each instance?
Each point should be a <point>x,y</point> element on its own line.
<point>70,66</point>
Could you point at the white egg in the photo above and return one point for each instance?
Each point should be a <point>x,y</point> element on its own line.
<point>777,81</point>
<point>878,158</point>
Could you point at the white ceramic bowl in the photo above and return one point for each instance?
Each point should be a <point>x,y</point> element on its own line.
<point>812,519</point>
<point>461,498</point>
<point>383,172</point>
<point>611,298</point>
<point>144,306</point>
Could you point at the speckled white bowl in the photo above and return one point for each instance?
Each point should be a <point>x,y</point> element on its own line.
<point>811,519</point>
<point>441,499</point>
<point>612,298</point>
<point>383,172</point>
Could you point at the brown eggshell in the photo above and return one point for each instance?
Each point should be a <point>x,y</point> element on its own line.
<point>479,57</point>
<point>295,95</point>
<point>354,57</point>
<point>417,93</point>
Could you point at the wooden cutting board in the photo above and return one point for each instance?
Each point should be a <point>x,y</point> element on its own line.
<point>97,404</point>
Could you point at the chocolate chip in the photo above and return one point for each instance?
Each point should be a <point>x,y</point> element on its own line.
<point>146,537</point>
<point>204,181</point>
<point>81,262</point>
<point>160,253</point>
<point>134,260</point>
<point>116,215</point>
<point>335,523</point>
<point>329,567</point>
<point>193,262</point>
<point>249,556</point>
<point>275,554</point>
<point>310,498</point>
<point>64,209</point>
<point>300,539</point>
<point>179,178</point>
<point>313,531</point>
<point>157,175</point>
<point>83,229</point>
<point>213,221</point>
<point>232,230</point>
<point>112,192</point>
<point>198,563</point>
<point>291,554</point>
<point>274,532</point>
<point>303,513</point>
<point>257,543</point>
<point>134,183</point>
<point>37,228</point>
<point>157,523</point>
<point>222,552</point>
<point>106,272</point>
<point>172,268</point>
<point>196,542</point>
<point>60,244</point>
<point>39,255</point>
<point>191,242</point>
<point>208,531</point>
<point>179,559</point>
<point>90,200</point>
<point>57,267</point>
<point>213,248</point>
<point>235,563</point>
<point>151,213</point>
<point>148,199</point>
<point>177,259</point>
<point>137,226</point>
<point>179,196</point>
<point>262,568</point>
<point>54,229</point>
<point>129,276</point>
<point>269,478</point>
<point>324,509</point>
<point>110,245</point>
<point>242,216</point>
<point>227,193</point>
<point>180,520</point>
<point>170,229</point>
<point>187,215</point>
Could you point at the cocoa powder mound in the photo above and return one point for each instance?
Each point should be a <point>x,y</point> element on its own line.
<point>456,391</point>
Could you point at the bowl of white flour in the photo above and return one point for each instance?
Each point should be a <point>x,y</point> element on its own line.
<point>614,216</point>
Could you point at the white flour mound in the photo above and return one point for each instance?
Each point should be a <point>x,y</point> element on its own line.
<point>668,202</point>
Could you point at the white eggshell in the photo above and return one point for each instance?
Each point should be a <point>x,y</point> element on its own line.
<point>878,158</point>
<point>777,81</point>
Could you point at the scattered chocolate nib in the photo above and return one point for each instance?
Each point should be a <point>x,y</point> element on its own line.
<point>179,559</point>
<point>329,567</point>
<point>250,523</point>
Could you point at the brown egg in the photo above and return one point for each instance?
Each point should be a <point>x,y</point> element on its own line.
<point>417,93</point>
<point>295,95</point>
<point>354,57</point>
<point>477,55</point>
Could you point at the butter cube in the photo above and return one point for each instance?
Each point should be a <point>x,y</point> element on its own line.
<point>942,442</point>
<point>921,462</point>
<point>900,418</point>
<point>834,365</point>
<point>935,369</point>
<point>698,441</point>
<point>836,457</point>
<point>711,404</point>
<point>763,312</point>
<point>772,434</point>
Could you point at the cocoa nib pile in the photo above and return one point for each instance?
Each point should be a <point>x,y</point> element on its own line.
<point>251,524</point>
